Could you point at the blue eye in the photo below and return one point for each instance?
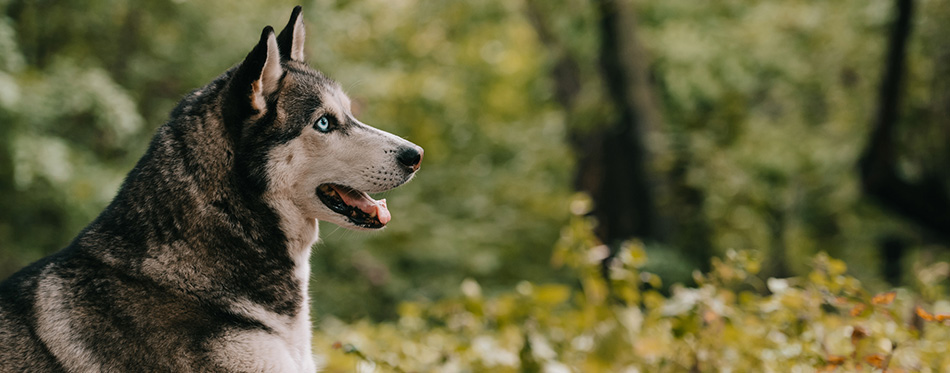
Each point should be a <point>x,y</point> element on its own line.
<point>323,124</point>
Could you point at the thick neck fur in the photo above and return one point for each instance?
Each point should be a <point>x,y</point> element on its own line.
<point>191,215</point>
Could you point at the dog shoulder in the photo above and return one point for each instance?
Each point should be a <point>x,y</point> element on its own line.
<point>21,350</point>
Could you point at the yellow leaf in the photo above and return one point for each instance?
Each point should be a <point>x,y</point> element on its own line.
<point>858,308</point>
<point>836,267</point>
<point>636,254</point>
<point>629,295</point>
<point>551,294</point>
<point>409,309</point>
<point>651,348</point>
<point>924,314</point>
<point>835,360</point>
<point>884,298</point>
<point>594,289</point>
<point>878,361</point>
<point>940,317</point>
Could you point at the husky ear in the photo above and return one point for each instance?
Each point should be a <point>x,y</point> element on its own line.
<point>292,37</point>
<point>260,73</point>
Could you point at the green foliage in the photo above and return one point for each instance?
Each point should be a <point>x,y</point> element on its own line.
<point>82,91</point>
<point>465,81</point>
<point>771,103</point>
<point>766,106</point>
<point>730,321</point>
<point>54,177</point>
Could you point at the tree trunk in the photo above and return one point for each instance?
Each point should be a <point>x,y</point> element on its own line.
<point>613,157</point>
<point>925,202</point>
<point>613,160</point>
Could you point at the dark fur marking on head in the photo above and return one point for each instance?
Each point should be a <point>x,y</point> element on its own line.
<point>287,38</point>
<point>199,263</point>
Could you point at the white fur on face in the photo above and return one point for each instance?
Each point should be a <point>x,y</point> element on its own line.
<point>360,157</point>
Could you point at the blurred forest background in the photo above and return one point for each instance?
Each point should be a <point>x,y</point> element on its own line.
<point>789,127</point>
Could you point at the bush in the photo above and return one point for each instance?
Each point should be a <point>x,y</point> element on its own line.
<point>730,320</point>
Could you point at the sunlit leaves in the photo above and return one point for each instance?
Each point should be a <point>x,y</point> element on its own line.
<point>825,321</point>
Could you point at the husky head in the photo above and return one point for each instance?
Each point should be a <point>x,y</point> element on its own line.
<point>302,146</point>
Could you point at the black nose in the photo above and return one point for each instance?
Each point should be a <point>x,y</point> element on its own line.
<point>410,157</point>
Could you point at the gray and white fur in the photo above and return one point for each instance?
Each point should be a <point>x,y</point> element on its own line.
<point>201,262</point>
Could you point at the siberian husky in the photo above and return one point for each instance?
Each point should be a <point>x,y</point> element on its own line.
<point>200,263</point>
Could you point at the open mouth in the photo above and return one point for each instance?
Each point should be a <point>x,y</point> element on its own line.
<point>361,209</point>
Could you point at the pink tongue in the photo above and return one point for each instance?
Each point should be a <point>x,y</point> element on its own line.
<point>382,211</point>
<point>365,203</point>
